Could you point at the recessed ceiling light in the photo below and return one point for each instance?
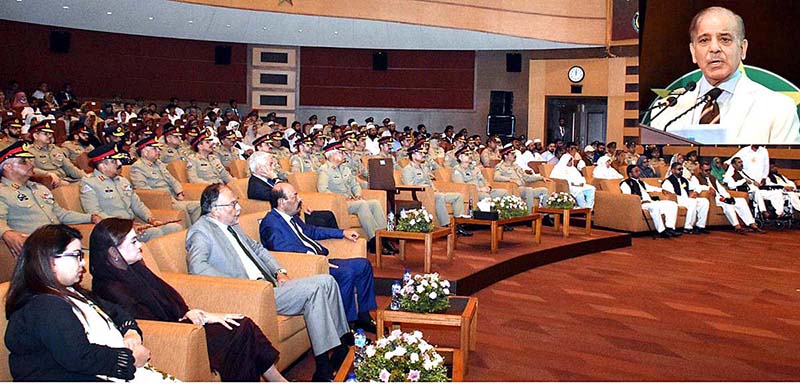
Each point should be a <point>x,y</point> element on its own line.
<point>335,32</point>
<point>191,21</point>
<point>150,18</point>
<point>300,31</point>
<point>108,13</point>
<point>65,7</point>
<point>264,28</point>
<point>19,1</point>
<point>227,25</point>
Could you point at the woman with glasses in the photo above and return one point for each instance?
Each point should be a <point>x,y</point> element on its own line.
<point>237,349</point>
<point>59,332</point>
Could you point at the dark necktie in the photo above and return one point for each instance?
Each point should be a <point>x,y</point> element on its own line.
<point>308,241</point>
<point>266,274</point>
<point>710,113</point>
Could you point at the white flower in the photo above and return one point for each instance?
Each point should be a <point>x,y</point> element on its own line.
<point>403,214</point>
<point>445,283</point>
<point>434,285</point>
<point>396,333</point>
<point>371,350</point>
<point>428,365</point>
<point>417,334</point>
<point>423,283</point>
<point>420,289</point>
<point>415,298</point>
<point>388,355</point>
<point>432,295</point>
<point>413,375</point>
<point>399,351</point>
<point>409,289</point>
<point>412,222</point>
<point>410,339</point>
<point>446,291</point>
<point>384,376</point>
<point>424,346</point>
<point>382,343</point>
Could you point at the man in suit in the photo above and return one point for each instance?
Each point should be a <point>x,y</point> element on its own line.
<point>264,177</point>
<point>217,246</point>
<point>562,132</point>
<point>635,186</point>
<point>749,112</point>
<point>283,230</point>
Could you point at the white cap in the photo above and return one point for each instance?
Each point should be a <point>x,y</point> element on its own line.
<point>316,127</point>
<point>537,140</point>
<point>370,125</point>
<point>233,125</point>
<point>270,123</point>
<point>588,148</point>
<point>390,123</point>
<point>528,142</point>
<point>386,133</point>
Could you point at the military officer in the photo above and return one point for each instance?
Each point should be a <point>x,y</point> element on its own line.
<point>385,146</point>
<point>276,149</point>
<point>109,195</point>
<point>304,161</point>
<point>79,143</point>
<point>24,204</point>
<point>49,159</point>
<point>406,140</point>
<point>203,166</point>
<point>149,173</point>
<point>465,172</point>
<point>335,177</point>
<point>352,160</point>
<point>490,156</point>
<point>320,139</point>
<point>509,171</point>
<point>173,139</point>
<point>12,127</point>
<point>226,151</point>
<point>450,158</point>
<point>417,174</point>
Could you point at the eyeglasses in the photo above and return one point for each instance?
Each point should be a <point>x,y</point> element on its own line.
<point>233,203</point>
<point>78,254</point>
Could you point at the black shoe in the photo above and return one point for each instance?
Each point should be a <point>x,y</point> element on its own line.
<point>323,371</point>
<point>508,228</point>
<point>371,245</point>
<point>338,355</point>
<point>664,234</point>
<point>688,231</point>
<point>701,230</point>
<point>462,232</point>
<point>386,251</point>
<point>673,232</point>
<point>387,245</point>
<point>369,325</point>
<point>547,221</point>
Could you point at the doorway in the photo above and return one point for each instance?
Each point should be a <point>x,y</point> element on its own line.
<point>584,119</point>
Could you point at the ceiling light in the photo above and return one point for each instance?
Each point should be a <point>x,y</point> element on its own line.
<point>264,28</point>
<point>108,13</point>
<point>227,25</point>
<point>191,21</point>
<point>150,18</point>
<point>335,32</point>
<point>65,7</point>
<point>299,31</point>
<point>19,1</point>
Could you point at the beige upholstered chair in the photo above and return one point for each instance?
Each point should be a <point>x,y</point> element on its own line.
<point>239,187</point>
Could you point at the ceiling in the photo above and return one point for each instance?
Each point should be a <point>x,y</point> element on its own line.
<point>166,18</point>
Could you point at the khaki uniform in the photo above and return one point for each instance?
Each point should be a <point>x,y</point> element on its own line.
<point>340,180</point>
<point>304,163</point>
<point>504,172</point>
<point>51,158</point>
<point>401,153</point>
<point>115,198</point>
<point>226,155</point>
<point>25,208</point>
<point>473,175</point>
<point>450,159</point>
<point>155,176</point>
<point>487,156</point>
<point>73,149</point>
<point>353,161</point>
<point>319,155</point>
<point>279,152</point>
<point>420,176</point>
<point>169,154</point>
<point>206,170</point>
<point>6,141</point>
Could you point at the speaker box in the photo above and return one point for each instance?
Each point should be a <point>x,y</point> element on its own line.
<point>513,62</point>
<point>501,125</point>
<point>501,103</point>
<point>60,41</point>
<point>222,55</point>
<point>380,60</point>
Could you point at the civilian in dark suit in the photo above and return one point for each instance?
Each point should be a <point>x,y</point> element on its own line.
<point>282,230</point>
<point>263,178</point>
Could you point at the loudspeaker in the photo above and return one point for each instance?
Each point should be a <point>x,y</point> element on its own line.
<point>502,126</point>
<point>513,62</point>
<point>380,60</point>
<point>501,103</point>
<point>59,41</point>
<point>222,55</point>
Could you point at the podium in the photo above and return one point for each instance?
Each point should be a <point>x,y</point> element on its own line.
<point>650,135</point>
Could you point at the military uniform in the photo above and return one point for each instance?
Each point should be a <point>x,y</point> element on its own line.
<point>155,176</point>
<point>73,149</point>
<point>340,180</point>
<point>450,159</point>
<point>353,161</point>
<point>401,153</point>
<point>51,158</point>
<point>280,152</point>
<point>25,208</point>
<point>504,172</point>
<point>304,163</point>
<point>108,197</point>
<point>6,141</point>
<point>206,170</point>
<point>169,154</point>
<point>473,175</point>
<point>488,155</point>
<point>420,176</point>
<point>226,155</point>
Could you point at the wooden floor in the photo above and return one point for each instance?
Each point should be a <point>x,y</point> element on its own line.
<point>719,307</point>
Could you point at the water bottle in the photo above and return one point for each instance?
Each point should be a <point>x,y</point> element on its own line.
<point>390,222</point>
<point>360,342</point>
<point>395,304</point>
<point>406,277</point>
<point>351,378</point>
<point>469,209</point>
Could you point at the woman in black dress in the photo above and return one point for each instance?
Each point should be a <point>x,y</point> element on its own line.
<point>237,349</point>
<point>58,331</point>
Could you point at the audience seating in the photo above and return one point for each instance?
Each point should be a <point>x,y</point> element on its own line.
<point>546,169</point>
<point>239,187</point>
<point>425,197</point>
<point>82,162</point>
<point>615,210</point>
<point>287,333</point>
<point>587,174</point>
<point>238,168</point>
<point>286,164</point>
<point>192,191</point>
<point>443,182</point>
<point>488,174</point>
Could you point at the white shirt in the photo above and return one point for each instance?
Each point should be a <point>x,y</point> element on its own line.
<point>250,267</point>
<point>647,188</point>
<point>754,163</point>
<point>372,146</point>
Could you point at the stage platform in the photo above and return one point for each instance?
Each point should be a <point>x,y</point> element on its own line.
<point>474,267</point>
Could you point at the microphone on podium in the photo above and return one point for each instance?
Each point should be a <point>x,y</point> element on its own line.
<point>687,88</point>
<point>671,100</point>
<point>709,97</point>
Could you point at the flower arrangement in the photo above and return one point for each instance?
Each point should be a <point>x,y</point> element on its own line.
<point>425,294</point>
<point>561,200</point>
<point>510,206</point>
<point>415,220</point>
<point>402,357</point>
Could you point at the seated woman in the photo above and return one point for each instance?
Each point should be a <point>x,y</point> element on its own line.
<point>578,188</point>
<point>58,331</point>
<point>646,168</point>
<point>603,169</point>
<point>237,349</point>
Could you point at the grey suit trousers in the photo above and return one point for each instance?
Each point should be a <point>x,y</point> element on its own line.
<point>317,298</point>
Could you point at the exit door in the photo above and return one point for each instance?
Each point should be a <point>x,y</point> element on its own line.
<point>584,118</point>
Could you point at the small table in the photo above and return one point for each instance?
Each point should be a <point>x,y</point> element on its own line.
<point>403,236</point>
<point>450,356</point>
<point>497,227</point>
<point>566,213</point>
<point>462,314</point>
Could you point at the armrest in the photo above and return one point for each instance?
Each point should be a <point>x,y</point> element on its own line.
<point>466,190</point>
<point>512,188</point>
<point>178,349</point>
<point>155,199</point>
<point>301,265</point>
<point>193,191</point>
<point>250,206</point>
<point>379,195</point>
<point>169,215</point>
<point>255,299</point>
<point>618,211</point>
<point>336,203</point>
<point>345,249</point>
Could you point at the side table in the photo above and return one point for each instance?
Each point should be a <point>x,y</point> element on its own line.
<point>403,236</point>
<point>565,214</point>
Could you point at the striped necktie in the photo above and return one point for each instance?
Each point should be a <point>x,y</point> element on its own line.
<point>710,113</point>
<point>305,239</point>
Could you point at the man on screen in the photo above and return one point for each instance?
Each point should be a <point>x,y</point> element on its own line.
<point>748,111</point>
